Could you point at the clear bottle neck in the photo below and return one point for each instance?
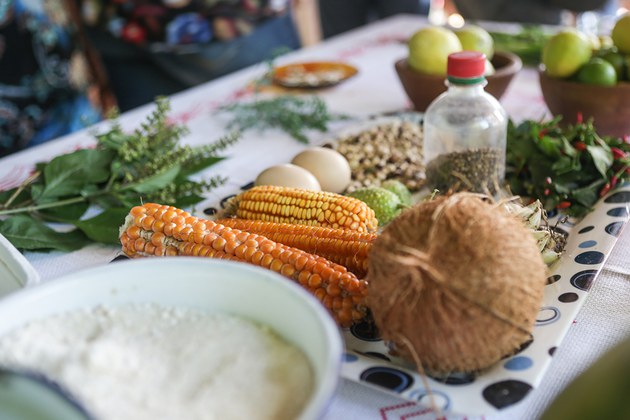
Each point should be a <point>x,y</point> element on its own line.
<point>459,88</point>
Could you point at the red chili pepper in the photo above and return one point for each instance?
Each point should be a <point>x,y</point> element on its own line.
<point>579,118</point>
<point>542,133</point>
<point>605,189</point>
<point>580,146</point>
<point>548,180</point>
<point>626,139</point>
<point>547,192</point>
<point>618,153</point>
<point>563,205</point>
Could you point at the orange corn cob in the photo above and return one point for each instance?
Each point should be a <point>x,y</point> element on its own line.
<point>342,246</point>
<point>305,207</point>
<point>160,230</point>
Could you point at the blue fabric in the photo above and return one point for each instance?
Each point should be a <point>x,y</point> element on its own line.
<point>137,75</point>
<point>44,75</point>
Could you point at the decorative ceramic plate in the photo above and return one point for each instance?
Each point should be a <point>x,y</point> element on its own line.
<point>589,243</point>
<point>315,74</point>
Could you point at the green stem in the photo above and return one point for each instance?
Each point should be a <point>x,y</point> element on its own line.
<point>29,209</point>
<point>23,185</point>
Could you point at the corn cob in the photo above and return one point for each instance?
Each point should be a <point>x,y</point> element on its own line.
<point>160,230</point>
<point>342,246</point>
<point>305,207</point>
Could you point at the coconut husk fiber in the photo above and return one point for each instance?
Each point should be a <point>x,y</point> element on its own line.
<point>455,284</point>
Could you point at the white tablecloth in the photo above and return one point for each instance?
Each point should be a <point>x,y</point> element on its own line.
<point>603,320</point>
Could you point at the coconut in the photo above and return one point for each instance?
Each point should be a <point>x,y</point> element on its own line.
<point>455,284</point>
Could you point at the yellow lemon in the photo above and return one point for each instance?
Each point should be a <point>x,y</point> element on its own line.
<point>475,38</point>
<point>565,52</point>
<point>621,34</point>
<point>429,49</point>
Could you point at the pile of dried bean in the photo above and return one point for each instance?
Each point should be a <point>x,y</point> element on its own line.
<point>391,150</point>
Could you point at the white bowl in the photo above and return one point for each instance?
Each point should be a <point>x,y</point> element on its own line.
<point>213,285</point>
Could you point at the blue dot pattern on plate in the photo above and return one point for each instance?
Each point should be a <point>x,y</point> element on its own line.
<point>387,377</point>
<point>519,363</point>
<point>225,200</point>
<point>439,398</point>
<point>618,212</point>
<point>505,393</point>
<point>375,355</point>
<point>210,211</point>
<point>365,331</point>
<point>586,229</point>
<point>614,228</point>
<point>583,279</point>
<point>590,258</point>
<point>587,244</point>
<point>553,279</point>
<point>568,297</point>
<point>618,197</point>
<point>349,357</point>
<point>547,315</point>
<point>459,378</point>
<point>247,186</point>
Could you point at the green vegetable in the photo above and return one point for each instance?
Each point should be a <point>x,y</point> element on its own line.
<point>566,168</point>
<point>399,189</point>
<point>292,114</point>
<point>122,171</point>
<point>527,44</point>
<point>386,204</point>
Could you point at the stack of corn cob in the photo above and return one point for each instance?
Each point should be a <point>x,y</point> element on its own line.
<point>320,240</point>
<point>326,259</point>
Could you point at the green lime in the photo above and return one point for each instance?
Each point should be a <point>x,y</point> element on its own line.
<point>386,204</point>
<point>617,60</point>
<point>621,34</point>
<point>399,189</point>
<point>597,72</point>
<point>565,52</point>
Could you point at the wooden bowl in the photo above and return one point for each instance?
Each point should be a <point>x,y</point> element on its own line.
<point>423,88</point>
<point>608,106</point>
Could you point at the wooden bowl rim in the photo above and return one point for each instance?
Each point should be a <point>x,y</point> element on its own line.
<point>513,66</point>
<point>572,84</point>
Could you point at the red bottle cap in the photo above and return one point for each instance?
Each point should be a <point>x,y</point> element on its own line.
<point>466,64</point>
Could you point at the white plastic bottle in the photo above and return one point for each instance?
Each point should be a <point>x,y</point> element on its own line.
<point>465,130</point>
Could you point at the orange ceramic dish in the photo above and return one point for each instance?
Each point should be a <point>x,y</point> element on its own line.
<point>316,74</point>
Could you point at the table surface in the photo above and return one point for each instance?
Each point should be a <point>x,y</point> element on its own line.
<point>603,320</point>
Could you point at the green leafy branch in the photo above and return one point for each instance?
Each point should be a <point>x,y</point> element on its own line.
<point>123,170</point>
<point>292,114</point>
<point>567,168</point>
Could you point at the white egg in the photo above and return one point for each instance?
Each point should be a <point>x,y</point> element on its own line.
<point>288,175</point>
<point>329,167</point>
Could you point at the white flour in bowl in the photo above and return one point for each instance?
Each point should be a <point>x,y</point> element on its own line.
<point>152,362</point>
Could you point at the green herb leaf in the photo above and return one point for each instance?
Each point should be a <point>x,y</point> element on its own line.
<point>155,182</point>
<point>68,174</point>
<point>562,165</point>
<point>123,169</point>
<point>26,233</point>
<point>602,158</point>
<point>104,227</point>
<point>292,114</point>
